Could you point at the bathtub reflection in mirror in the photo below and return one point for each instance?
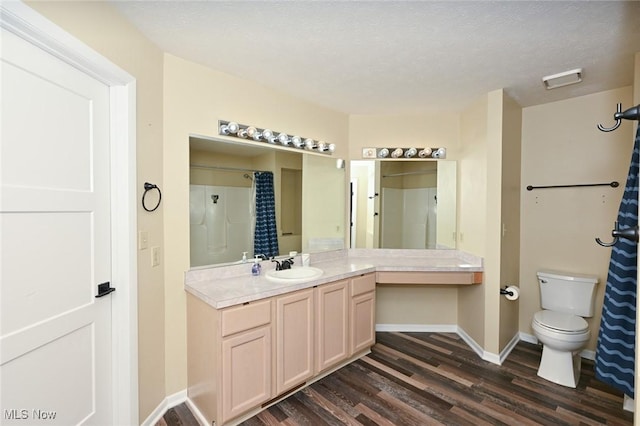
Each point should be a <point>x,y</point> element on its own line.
<point>308,191</point>
<point>403,204</point>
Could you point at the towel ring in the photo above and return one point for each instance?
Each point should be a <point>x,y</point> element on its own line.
<point>148,187</point>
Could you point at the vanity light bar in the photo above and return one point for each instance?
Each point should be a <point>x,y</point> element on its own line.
<point>399,153</point>
<point>242,131</point>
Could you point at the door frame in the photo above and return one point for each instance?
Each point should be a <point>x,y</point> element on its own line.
<point>34,28</point>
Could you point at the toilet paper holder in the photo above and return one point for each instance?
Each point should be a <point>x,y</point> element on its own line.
<point>505,291</point>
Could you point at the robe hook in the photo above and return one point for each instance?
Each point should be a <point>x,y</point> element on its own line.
<point>615,126</point>
<point>615,238</point>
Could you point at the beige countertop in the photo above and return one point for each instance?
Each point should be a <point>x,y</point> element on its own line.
<point>231,285</point>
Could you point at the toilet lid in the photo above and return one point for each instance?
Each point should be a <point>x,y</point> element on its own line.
<point>560,321</point>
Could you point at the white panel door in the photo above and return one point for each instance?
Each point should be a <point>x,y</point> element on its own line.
<point>55,339</point>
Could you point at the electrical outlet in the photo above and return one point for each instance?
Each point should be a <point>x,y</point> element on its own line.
<point>143,240</point>
<point>368,153</point>
<point>155,256</point>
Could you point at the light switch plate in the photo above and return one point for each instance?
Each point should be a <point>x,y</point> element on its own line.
<point>143,240</point>
<point>155,256</point>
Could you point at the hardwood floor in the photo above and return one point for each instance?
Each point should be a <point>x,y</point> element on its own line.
<point>436,379</point>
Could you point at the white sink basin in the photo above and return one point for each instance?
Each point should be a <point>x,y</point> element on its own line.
<point>294,275</point>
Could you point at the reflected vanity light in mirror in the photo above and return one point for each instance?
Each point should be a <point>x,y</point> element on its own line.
<point>231,128</point>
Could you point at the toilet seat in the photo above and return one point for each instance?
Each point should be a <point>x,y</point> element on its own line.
<point>560,322</point>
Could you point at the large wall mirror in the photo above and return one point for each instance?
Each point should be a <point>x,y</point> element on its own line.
<point>309,200</point>
<point>403,204</point>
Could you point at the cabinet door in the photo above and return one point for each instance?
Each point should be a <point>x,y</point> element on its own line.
<point>246,372</point>
<point>363,312</point>
<point>332,324</point>
<point>294,339</point>
<point>363,322</point>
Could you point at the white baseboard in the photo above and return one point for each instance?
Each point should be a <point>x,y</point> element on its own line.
<point>418,328</point>
<point>167,403</point>
<point>507,349</point>
<point>197,413</point>
<point>473,344</point>
<point>449,328</point>
<point>529,338</point>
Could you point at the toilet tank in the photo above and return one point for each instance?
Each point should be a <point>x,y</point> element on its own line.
<point>567,292</point>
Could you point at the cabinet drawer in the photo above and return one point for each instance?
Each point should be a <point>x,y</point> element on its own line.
<point>363,284</point>
<point>245,317</point>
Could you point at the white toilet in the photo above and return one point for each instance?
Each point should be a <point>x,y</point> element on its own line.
<point>566,298</point>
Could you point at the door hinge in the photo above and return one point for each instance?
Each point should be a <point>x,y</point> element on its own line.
<point>104,289</point>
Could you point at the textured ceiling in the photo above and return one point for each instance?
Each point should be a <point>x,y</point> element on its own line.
<point>401,57</point>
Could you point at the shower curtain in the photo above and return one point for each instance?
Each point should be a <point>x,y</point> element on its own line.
<point>266,235</point>
<point>615,351</point>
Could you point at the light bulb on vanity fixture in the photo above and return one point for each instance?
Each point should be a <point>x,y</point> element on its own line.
<point>253,133</point>
<point>283,138</point>
<point>268,136</point>
<point>231,128</point>
<point>424,153</point>
<point>411,152</point>
<point>440,153</point>
<point>309,143</point>
<point>397,153</point>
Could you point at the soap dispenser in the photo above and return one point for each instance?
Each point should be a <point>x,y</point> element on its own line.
<point>244,257</point>
<point>256,268</point>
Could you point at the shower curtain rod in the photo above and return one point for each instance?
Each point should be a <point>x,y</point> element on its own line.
<point>226,169</point>
<point>421,172</point>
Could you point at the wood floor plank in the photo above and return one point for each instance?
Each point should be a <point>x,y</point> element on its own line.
<point>421,417</point>
<point>436,378</point>
<point>508,415</point>
<point>374,416</point>
<point>343,417</point>
<point>437,370</point>
<point>423,343</point>
<point>393,372</point>
<point>265,418</point>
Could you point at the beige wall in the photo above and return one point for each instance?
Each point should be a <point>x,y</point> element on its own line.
<point>492,260</point>
<point>636,81</point>
<point>195,97</point>
<point>561,145</point>
<point>472,182</point>
<point>434,130</point>
<point>105,30</point>
<point>411,305</point>
<point>510,246</point>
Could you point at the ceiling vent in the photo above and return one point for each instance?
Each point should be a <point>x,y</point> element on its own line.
<point>562,79</point>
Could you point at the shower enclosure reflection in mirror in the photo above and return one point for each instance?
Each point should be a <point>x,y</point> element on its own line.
<point>403,204</point>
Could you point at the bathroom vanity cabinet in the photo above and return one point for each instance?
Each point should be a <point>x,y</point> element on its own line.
<point>241,357</point>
